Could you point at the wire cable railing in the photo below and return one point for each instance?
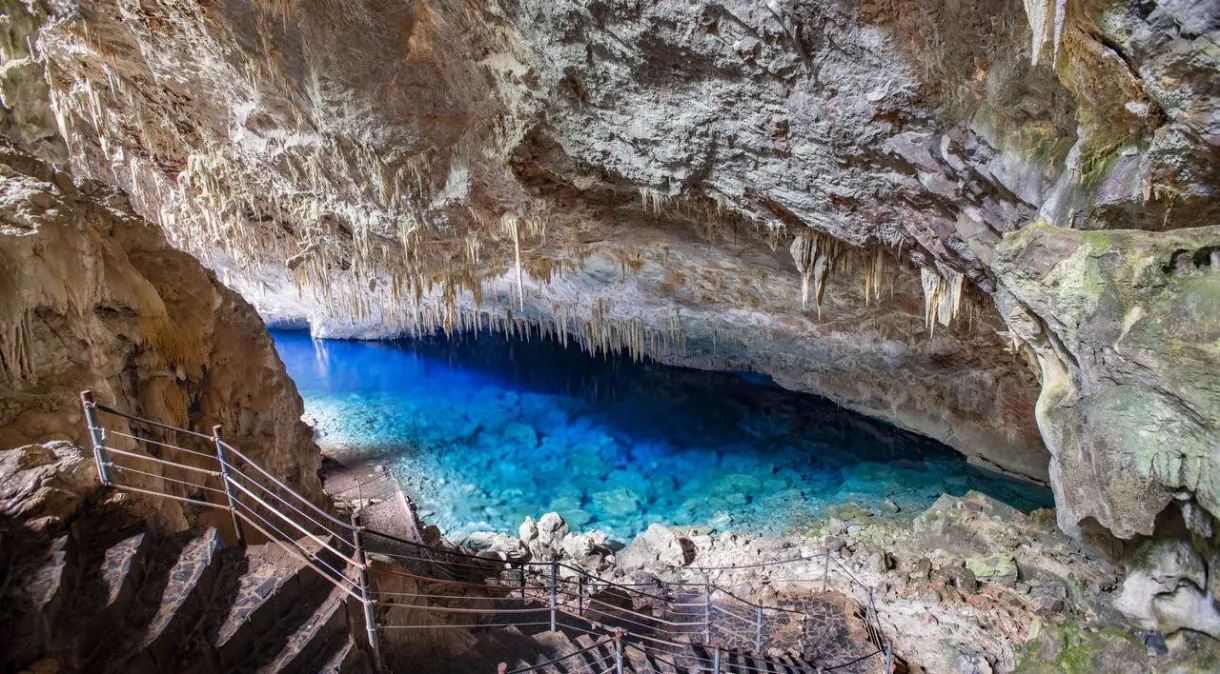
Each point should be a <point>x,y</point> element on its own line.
<point>670,618</point>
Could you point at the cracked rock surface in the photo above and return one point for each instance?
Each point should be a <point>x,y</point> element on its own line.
<point>990,223</point>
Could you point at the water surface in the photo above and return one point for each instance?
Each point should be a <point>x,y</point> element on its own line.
<point>485,431</point>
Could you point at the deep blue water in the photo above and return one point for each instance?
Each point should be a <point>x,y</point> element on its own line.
<point>485,431</point>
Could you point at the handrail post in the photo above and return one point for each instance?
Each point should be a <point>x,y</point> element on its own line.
<point>826,574</point>
<point>716,660</point>
<point>96,436</point>
<point>554,591</point>
<point>618,651</point>
<point>889,656</point>
<point>523,572</point>
<point>758,629</point>
<point>222,457</point>
<point>707,612</point>
<point>580,595</point>
<point>362,569</point>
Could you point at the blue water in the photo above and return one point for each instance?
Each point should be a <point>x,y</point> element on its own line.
<point>485,431</point>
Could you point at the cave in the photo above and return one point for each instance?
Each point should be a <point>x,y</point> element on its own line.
<point>652,337</point>
<point>483,430</point>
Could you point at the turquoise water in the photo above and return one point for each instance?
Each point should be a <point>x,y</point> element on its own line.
<point>485,431</point>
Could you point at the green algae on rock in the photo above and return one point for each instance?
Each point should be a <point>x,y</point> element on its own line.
<point>1129,361</point>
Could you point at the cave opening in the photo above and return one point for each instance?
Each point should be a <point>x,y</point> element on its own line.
<point>483,430</point>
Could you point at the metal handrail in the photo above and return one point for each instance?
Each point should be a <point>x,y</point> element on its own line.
<point>302,556</point>
<point>360,587</point>
<point>548,663</point>
<point>195,485</point>
<point>240,511</point>
<point>111,431</point>
<point>226,464</point>
<point>109,410</point>
<point>289,520</point>
<point>286,488</point>
<point>163,462</point>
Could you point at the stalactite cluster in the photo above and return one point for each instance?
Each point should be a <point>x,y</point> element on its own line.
<point>942,296</point>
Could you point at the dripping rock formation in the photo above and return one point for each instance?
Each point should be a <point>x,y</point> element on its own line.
<point>93,297</point>
<point>986,222</point>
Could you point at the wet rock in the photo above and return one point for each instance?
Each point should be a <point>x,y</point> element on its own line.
<point>522,435</point>
<point>576,517</point>
<point>738,484</point>
<point>617,502</point>
<point>720,521</point>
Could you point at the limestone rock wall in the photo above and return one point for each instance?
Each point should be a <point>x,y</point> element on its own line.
<point>93,297</point>
<point>835,193</point>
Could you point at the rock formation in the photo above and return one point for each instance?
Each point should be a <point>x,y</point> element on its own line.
<point>920,209</point>
<point>92,297</point>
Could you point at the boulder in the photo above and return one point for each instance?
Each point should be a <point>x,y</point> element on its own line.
<point>617,502</point>
<point>658,548</point>
<point>496,545</point>
<point>522,435</point>
<point>1165,589</point>
<point>552,529</point>
<point>994,568</point>
<point>43,485</point>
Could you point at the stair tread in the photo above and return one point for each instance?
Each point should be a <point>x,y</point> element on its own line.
<point>28,603</point>
<point>270,569</point>
<point>103,596</point>
<point>118,562</point>
<point>309,635</point>
<point>560,645</point>
<point>638,659</point>
<point>192,563</point>
<point>342,660</point>
<point>41,576</point>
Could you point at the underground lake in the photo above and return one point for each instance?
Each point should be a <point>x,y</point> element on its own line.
<point>484,430</point>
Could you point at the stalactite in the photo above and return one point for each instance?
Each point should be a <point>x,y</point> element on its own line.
<point>815,255</point>
<point>874,266</point>
<point>942,296</point>
<point>512,225</point>
<point>1046,19</point>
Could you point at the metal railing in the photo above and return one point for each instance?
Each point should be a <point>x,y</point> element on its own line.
<point>661,619</point>
<point>211,473</point>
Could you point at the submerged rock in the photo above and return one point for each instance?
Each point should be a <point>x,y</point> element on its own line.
<point>522,435</point>
<point>617,502</point>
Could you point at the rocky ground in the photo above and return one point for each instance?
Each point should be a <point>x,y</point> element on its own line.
<point>970,585</point>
